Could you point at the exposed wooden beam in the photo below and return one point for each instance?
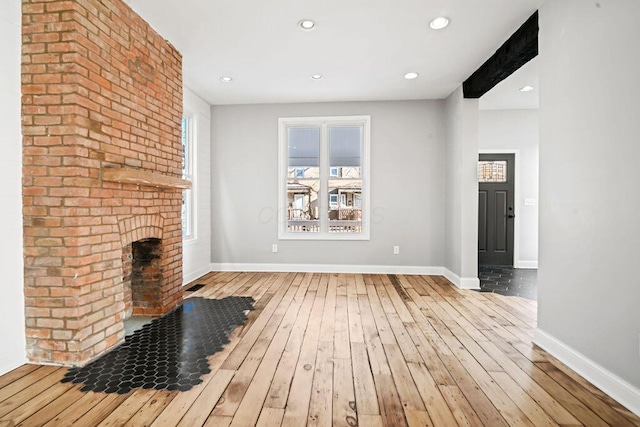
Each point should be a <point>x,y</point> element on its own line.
<point>519,49</point>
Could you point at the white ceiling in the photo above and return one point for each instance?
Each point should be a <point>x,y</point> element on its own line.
<point>363,48</point>
<point>507,95</point>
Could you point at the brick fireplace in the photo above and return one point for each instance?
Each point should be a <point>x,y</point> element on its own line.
<point>101,116</point>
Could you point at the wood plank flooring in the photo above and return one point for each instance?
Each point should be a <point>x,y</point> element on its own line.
<point>345,350</point>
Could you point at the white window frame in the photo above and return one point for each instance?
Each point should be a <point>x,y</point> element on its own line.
<point>323,196</point>
<point>189,174</point>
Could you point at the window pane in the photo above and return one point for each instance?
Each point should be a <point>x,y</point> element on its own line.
<point>187,222</point>
<point>304,147</point>
<point>302,205</point>
<point>303,180</point>
<point>344,185</point>
<point>185,147</point>
<point>492,171</point>
<point>187,170</point>
<point>345,205</point>
<point>345,148</point>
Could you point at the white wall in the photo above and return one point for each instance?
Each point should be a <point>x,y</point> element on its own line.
<point>407,186</point>
<point>196,252</point>
<point>510,130</point>
<point>12,350</point>
<point>588,282</point>
<point>461,203</point>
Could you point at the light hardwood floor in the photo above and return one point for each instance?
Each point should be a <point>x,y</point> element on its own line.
<point>345,349</point>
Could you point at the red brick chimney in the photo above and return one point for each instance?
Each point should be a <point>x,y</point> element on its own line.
<point>101,118</point>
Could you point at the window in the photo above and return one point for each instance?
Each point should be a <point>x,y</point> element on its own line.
<point>492,171</point>
<point>333,201</point>
<point>324,178</point>
<point>188,222</point>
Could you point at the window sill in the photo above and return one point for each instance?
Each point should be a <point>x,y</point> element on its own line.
<point>324,236</point>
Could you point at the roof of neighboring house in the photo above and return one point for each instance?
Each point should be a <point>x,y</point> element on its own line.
<point>350,187</point>
<point>295,187</point>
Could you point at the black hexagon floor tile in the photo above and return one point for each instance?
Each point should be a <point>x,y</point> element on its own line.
<point>169,353</point>
<point>509,281</point>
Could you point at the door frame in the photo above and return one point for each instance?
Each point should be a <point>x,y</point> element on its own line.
<point>516,198</point>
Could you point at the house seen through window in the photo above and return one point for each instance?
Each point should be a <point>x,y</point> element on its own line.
<point>324,178</point>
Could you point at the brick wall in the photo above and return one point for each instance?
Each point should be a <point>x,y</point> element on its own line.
<point>100,88</point>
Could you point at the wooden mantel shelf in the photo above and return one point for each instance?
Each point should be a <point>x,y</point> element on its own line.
<point>142,177</point>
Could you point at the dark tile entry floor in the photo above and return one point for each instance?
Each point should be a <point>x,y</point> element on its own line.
<point>170,352</point>
<point>519,282</point>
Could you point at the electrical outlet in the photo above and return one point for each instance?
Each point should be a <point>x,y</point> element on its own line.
<point>274,248</point>
<point>396,250</point>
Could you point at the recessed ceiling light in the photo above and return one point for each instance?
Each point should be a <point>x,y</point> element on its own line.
<point>316,76</point>
<point>410,76</point>
<point>226,79</point>
<point>526,88</point>
<point>439,23</point>
<point>306,24</point>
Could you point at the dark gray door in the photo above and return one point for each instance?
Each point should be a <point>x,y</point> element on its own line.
<point>495,209</point>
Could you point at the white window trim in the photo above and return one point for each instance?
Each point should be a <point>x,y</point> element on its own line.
<point>192,142</point>
<point>324,122</point>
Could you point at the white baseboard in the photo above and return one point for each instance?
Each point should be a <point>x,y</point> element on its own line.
<point>527,264</point>
<point>190,277</point>
<point>461,282</point>
<point>11,365</point>
<point>620,390</point>
<point>328,268</point>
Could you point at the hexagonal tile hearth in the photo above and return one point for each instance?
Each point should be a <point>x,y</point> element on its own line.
<point>169,353</point>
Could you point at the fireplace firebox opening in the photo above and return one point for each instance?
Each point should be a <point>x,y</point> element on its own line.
<point>143,278</point>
